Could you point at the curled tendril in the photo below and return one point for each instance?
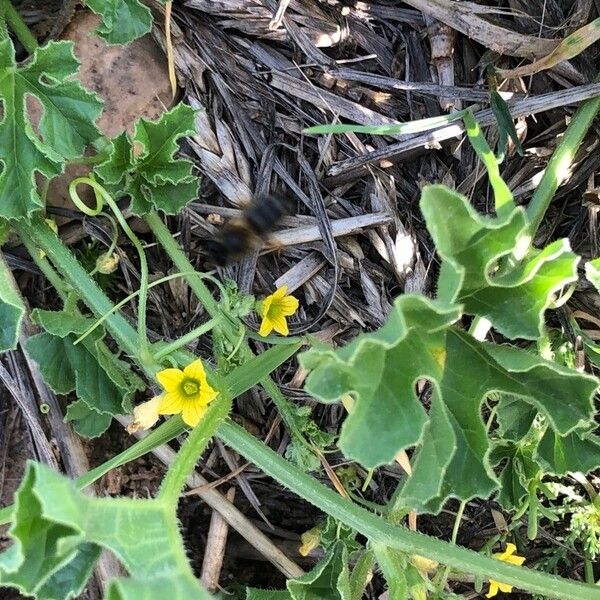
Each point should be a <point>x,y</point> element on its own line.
<point>101,197</point>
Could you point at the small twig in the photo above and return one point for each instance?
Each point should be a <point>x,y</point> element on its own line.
<point>215,548</point>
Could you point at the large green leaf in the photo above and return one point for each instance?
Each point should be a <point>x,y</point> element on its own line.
<point>103,383</point>
<point>381,369</point>
<point>122,20</point>
<point>65,128</point>
<point>57,531</point>
<point>153,178</point>
<point>512,294</point>
<point>11,310</point>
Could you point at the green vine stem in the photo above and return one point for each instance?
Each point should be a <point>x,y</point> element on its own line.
<point>103,196</point>
<point>46,268</point>
<point>9,13</point>
<point>165,239</point>
<point>39,235</point>
<point>195,443</point>
<point>379,531</point>
<point>189,337</point>
<point>558,168</point>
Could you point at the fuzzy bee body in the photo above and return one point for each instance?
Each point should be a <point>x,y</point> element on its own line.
<point>247,233</point>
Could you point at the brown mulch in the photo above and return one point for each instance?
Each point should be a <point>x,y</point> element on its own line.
<point>356,239</point>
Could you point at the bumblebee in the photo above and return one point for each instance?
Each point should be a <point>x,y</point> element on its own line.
<point>249,232</point>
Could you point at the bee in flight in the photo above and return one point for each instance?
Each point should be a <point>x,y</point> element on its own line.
<point>244,234</point>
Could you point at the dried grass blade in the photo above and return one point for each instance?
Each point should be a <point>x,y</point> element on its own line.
<point>570,47</point>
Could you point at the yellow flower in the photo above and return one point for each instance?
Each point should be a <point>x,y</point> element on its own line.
<point>506,556</point>
<point>186,392</point>
<point>275,308</point>
<point>145,415</point>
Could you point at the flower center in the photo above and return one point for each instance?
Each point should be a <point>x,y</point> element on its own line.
<point>190,387</point>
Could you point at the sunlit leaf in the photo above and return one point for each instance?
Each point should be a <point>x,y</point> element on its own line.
<point>513,296</point>
<point>66,126</point>
<point>592,272</point>
<point>381,370</point>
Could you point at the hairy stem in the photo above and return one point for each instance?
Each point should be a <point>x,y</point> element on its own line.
<point>382,532</point>
<point>194,445</point>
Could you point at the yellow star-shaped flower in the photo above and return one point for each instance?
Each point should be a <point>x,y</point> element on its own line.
<point>275,308</point>
<point>186,392</point>
<point>506,556</point>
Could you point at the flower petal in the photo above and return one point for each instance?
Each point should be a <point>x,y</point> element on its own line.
<point>266,305</point>
<point>280,292</point>
<point>265,327</point>
<point>493,589</point>
<point>288,305</point>
<point>207,394</point>
<point>192,413</point>
<point>170,379</point>
<point>145,415</point>
<point>171,403</point>
<point>280,325</point>
<point>195,370</point>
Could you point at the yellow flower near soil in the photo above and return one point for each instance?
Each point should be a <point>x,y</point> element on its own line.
<point>186,392</point>
<point>508,556</point>
<point>275,308</point>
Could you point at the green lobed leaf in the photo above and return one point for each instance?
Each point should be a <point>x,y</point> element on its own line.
<point>515,298</point>
<point>381,369</point>
<point>573,452</point>
<point>66,126</point>
<point>12,309</point>
<point>57,529</point>
<point>388,415</point>
<point>104,384</point>
<point>122,20</point>
<point>153,178</point>
<point>518,470</point>
<point>87,421</point>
